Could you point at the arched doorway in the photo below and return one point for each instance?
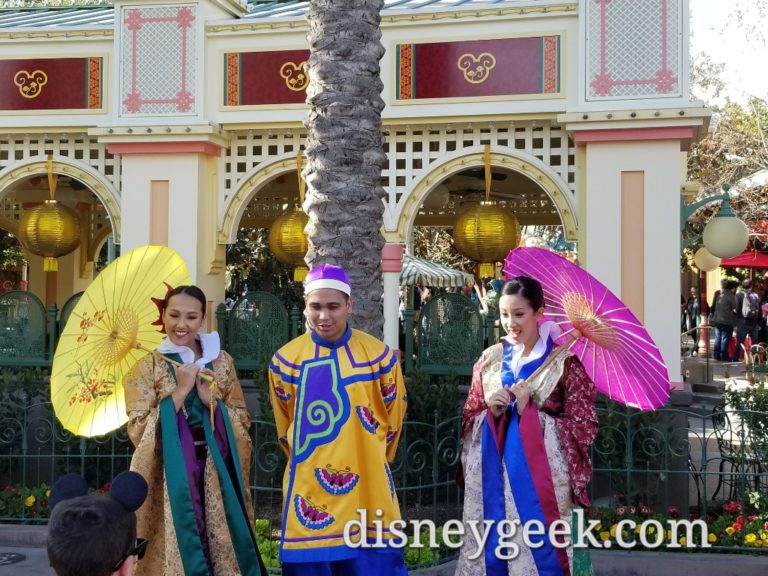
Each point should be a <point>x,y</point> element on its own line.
<point>80,187</point>
<point>521,183</point>
<point>263,194</point>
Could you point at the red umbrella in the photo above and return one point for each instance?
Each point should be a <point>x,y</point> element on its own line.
<point>747,259</point>
<point>616,350</point>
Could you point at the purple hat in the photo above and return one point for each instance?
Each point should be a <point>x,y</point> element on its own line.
<point>327,276</point>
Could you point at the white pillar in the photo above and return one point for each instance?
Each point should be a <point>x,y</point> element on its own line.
<point>169,199</point>
<point>391,266</point>
<point>632,233</point>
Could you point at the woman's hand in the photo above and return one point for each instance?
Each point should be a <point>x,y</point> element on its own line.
<point>186,375</point>
<point>498,402</point>
<point>522,392</point>
<point>204,387</point>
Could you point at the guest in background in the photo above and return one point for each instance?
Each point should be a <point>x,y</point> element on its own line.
<point>724,319</point>
<point>692,311</point>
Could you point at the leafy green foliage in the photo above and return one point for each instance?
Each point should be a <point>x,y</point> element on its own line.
<point>23,385</point>
<point>29,504</point>
<point>736,149</point>
<point>751,404</point>
<point>252,266</point>
<point>432,398</point>
<point>11,253</point>
<point>732,527</point>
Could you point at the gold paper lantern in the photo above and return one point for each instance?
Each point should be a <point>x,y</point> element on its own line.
<point>286,235</point>
<point>486,233</point>
<point>50,230</point>
<point>288,242</point>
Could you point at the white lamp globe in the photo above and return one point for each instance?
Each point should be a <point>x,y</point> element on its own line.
<point>705,261</point>
<point>726,237</point>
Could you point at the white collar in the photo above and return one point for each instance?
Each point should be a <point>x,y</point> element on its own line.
<point>547,330</point>
<point>209,343</point>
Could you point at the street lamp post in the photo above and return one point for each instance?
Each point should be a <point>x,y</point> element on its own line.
<point>724,236</point>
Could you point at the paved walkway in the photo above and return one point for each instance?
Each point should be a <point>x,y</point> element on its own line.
<point>34,563</point>
<point>605,563</point>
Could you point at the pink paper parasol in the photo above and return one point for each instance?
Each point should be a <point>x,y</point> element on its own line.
<point>616,350</point>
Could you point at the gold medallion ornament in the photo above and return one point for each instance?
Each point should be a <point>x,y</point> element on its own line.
<point>30,83</point>
<point>476,69</point>
<point>295,76</point>
<point>486,232</point>
<point>286,234</point>
<point>50,229</point>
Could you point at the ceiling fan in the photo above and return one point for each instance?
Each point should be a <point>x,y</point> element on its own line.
<point>480,174</point>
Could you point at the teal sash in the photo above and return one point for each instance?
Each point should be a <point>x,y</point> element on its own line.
<point>233,496</point>
<point>179,495</point>
<point>232,492</point>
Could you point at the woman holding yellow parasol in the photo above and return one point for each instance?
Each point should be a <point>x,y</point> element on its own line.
<point>197,516</point>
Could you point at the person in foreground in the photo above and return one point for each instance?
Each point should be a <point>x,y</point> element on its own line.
<point>95,534</point>
<point>339,401</point>
<point>527,427</point>
<point>198,516</point>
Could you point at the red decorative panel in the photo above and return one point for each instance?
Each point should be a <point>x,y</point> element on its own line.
<point>503,67</point>
<point>259,78</point>
<point>51,84</point>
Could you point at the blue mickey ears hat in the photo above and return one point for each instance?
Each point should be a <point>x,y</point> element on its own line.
<point>129,489</point>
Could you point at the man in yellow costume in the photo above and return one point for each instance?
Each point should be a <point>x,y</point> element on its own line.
<point>339,401</point>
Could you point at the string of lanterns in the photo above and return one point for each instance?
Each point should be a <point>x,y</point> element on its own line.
<point>485,232</point>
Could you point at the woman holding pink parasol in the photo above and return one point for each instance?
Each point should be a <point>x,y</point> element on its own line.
<point>527,427</point>
<point>530,419</point>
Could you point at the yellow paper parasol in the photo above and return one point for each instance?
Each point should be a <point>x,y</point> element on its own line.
<point>108,332</point>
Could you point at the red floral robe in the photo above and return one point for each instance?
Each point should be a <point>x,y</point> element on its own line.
<point>571,403</point>
<point>564,396</point>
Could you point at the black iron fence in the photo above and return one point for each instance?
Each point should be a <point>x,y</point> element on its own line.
<point>671,462</point>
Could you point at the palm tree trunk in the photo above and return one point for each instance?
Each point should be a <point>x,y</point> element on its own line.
<point>344,149</point>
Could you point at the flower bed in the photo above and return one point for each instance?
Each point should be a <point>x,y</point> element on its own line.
<point>733,528</point>
<point>29,504</point>
<point>25,504</point>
